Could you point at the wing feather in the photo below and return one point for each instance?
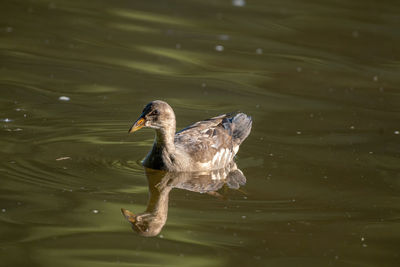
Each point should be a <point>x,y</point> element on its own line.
<point>203,140</point>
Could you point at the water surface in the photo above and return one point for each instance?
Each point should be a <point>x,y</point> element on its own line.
<point>320,80</point>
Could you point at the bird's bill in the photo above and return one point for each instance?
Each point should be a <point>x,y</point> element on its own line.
<point>137,125</point>
<point>129,215</point>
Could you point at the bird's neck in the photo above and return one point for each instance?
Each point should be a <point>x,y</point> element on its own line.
<point>164,139</point>
<point>158,201</point>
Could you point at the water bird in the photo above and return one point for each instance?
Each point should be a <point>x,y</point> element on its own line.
<point>151,221</point>
<point>203,146</point>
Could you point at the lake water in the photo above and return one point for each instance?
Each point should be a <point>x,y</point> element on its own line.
<point>319,78</point>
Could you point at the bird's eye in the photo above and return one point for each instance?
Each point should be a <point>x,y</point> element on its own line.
<point>155,112</point>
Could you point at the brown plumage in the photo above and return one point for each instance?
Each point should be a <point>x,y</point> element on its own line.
<point>206,145</point>
<point>152,220</point>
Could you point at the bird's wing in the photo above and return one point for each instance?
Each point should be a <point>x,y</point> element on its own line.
<point>203,140</point>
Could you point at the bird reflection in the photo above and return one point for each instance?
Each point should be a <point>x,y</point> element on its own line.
<point>151,221</point>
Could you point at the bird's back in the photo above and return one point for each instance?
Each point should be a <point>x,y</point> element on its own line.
<point>212,143</point>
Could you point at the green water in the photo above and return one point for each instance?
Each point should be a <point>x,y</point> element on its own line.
<point>319,78</point>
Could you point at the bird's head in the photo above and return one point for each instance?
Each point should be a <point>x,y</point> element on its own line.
<point>145,224</point>
<point>157,115</point>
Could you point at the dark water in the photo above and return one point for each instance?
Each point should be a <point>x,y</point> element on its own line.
<point>319,78</point>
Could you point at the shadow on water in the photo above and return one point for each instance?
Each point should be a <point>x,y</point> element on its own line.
<point>152,220</point>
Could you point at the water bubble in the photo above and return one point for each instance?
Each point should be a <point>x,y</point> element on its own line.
<point>355,34</point>
<point>219,48</point>
<point>396,132</point>
<point>244,217</point>
<point>298,132</point>
<point>64,98</point>
<point>95,211</point>
<point>299,69</point>
<point>238,3</point>
<point>259,51</point>
<point>3,210</point>
<point>7,120</point>
<point>178,46</point>
<point>375,78</point>
<point>9,29</point>
<point>352,127</point>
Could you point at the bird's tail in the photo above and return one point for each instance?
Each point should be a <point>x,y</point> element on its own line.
<point>241,127</point>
